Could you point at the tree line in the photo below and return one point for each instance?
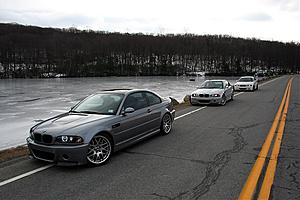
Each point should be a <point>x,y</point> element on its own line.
<point>30,52</point>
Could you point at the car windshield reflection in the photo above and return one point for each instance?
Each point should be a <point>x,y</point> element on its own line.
<point>212,85</point>
<point>246,80</point>
<point>104,104</point>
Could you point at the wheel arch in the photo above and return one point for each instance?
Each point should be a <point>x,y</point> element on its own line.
<point>108,134</point>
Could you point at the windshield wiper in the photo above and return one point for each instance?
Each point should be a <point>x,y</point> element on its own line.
<point>90,112</point>
<point>73,111</point>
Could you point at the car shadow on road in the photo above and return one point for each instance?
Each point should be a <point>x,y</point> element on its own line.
<point>114,158</point>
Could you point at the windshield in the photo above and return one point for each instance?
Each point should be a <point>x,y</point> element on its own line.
<point>212,85</point>
<point>246,80</point>
<point>106,104</point>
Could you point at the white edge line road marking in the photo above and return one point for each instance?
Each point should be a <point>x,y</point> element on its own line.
<point>190,113</point>
<point>25,174</point>
<point>51,165</point>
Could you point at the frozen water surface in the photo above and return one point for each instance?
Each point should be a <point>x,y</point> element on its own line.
<point>22,101</point>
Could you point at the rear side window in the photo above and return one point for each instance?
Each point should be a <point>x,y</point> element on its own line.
<point>136,101</point>
<point>152,98</point>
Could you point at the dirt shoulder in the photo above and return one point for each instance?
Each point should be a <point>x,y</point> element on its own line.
<point>9,154</point>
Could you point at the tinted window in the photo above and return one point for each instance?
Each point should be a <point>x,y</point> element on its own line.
<point>152,98</point>
<point>136,101</point>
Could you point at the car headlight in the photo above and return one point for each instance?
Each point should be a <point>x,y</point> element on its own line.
<point>194,95</point>
<point>215,95</point>
<point>69,139</point>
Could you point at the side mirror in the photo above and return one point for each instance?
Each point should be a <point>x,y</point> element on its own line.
<point>198,87</point>
<point>128,110</point>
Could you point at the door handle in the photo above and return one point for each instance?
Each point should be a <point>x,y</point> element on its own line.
<point>115,125</point>
<point>149,110</point>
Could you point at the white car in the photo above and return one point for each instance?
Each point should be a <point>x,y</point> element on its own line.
<point>246,83</point>
<point>212,92</point>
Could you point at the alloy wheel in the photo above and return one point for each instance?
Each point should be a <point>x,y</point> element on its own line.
<point>223,101</point>
<point>166,124</point>
<point>99,150</point>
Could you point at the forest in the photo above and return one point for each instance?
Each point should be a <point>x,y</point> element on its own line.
<point>35,52</point>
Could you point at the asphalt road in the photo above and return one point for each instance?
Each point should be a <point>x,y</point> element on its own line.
<point>208,155</point>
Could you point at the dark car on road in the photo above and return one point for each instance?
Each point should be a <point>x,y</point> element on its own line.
<point>100,125</point>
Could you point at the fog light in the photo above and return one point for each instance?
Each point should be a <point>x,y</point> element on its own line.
<point>65,157</point>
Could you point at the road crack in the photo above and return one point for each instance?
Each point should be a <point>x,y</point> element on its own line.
<point>164,156</point>
<point>213,169</point>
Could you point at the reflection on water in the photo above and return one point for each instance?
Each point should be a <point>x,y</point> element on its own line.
<point>24,100</point>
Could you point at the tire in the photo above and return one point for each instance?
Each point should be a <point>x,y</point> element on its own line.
<point>253,88</point>
<point>223,102</point>
<point>166,124</point>
<point>100,150</point>
<point>193,104</point>
<point>232,95</point>
<point>257,87</point>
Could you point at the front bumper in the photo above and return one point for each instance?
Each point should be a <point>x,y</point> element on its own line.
<point>62,155</point>
<point>206,100</point>
<point>243,87</point>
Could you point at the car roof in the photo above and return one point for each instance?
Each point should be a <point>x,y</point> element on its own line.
<point>123,91</point>
<point>247,77</point>
<point>217,80</point>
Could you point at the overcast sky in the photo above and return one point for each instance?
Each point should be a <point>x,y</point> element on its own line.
<point>263,19</point>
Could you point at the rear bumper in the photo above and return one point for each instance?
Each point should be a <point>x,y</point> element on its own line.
<point>62,155</point>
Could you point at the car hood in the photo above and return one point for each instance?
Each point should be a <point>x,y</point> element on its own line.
<point>68,121</point>
<point>208,91</point>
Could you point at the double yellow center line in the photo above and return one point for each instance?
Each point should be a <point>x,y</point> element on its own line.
<point>251,183</point>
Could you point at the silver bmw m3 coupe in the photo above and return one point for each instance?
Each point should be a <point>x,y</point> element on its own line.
<point>100,125</point>
<point>212,92</point>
